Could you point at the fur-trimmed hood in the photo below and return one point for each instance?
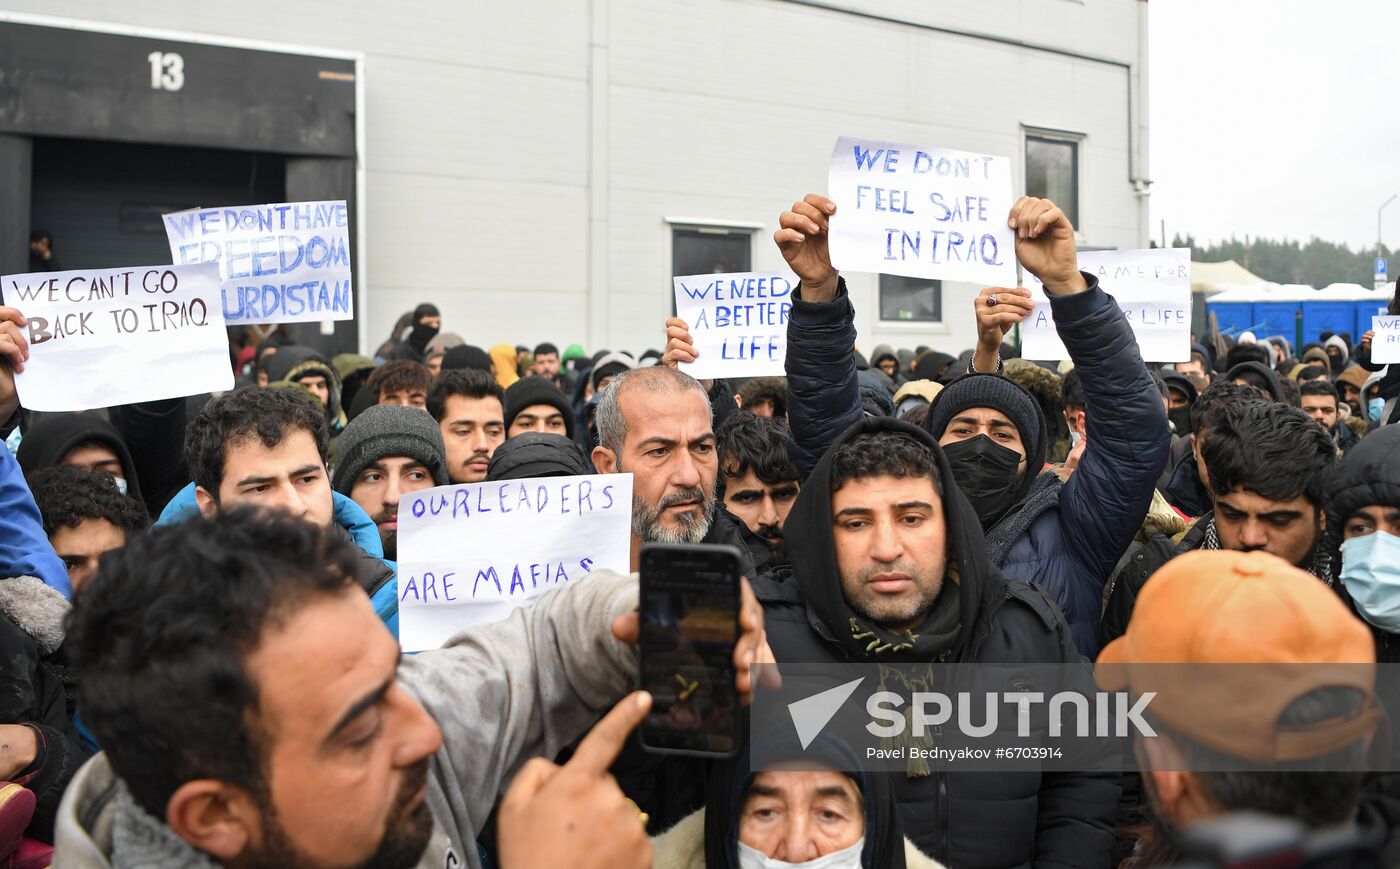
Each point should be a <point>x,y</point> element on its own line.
<point>683,847</point>
<point>36,608</point>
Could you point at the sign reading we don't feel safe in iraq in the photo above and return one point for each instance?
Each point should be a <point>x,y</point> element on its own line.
<point>280,263</point>
<point>921,212</point>
<point>470,554</point>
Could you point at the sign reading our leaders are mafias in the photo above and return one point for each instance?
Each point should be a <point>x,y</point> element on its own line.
<point>738,322</point>
<point>1153,287</point>
<point>921,212</point>
<point>470,554</point>
<point>105,337</point>
<point>280,263</point>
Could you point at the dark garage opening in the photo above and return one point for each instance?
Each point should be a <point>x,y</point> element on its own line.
<point>101,202</point>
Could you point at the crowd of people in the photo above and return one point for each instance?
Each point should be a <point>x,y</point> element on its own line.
<point>200,615</point>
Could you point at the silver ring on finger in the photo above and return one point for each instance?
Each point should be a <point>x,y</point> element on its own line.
<point>992,301</point>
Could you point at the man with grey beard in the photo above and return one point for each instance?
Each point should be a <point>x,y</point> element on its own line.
<point>655,424</point>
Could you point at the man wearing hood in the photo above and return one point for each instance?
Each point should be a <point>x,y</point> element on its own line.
<point>268,448</point>
<point>885,360</point>
<point>1065,536</point>
<point>1181,397</point>
<point>811,815</point>
<point>427,322</point>
<point>1350,384</point>
<point>888,564</point>
<point>1259,376</point>
<point>1338,353</point>
<point>1363,528</point>
<point>385,453</point>
<point>303,365</point>
<point>83,440</point>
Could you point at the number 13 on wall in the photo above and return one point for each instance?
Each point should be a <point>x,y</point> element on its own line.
<point>167,70</point>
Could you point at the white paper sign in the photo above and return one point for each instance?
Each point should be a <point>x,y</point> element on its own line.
<point>1385,344</point>
<point>921,212</point>
<point>738,322</point>
<point>1153,287</point>
<point>470,554</point>
<point>285,262</point>
<point>104,337</point>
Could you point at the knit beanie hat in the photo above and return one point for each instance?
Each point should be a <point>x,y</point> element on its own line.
<point>530,391</point>
<point>466,356</point>
<point>536,454</point>
<point>388,430</point>
<point>609,365</point>
<point>996,392</point>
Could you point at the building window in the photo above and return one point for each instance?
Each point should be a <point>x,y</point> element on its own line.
<point>914,300</point>
<point>1052,172</point>
<point>705,251</point>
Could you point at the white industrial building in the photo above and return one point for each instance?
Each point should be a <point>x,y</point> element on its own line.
<point>541,168</point>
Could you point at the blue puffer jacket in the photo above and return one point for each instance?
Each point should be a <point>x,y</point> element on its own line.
<point>1074,533</point>
<point>24,550</point>
<point>383,587</point>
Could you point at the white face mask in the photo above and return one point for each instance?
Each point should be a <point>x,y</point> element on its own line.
<point>847,858</point>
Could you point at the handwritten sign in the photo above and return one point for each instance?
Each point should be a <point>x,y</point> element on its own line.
<point>280,263</point>
<point>470,554</point>
<point>921,212</point>
<point>1385,344</point>
<point>100,338</point>
<point>738,322</point>
<point>1153,287</point>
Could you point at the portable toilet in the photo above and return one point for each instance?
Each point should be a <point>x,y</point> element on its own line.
<point>1277,318</point>
<point>1375,305</point>
<point>1332,310</point>
<point>1233,309</point>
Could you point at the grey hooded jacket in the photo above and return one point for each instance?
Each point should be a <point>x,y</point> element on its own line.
<point>502,694</point>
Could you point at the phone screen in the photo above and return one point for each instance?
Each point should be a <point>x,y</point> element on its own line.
<point>689,625</point>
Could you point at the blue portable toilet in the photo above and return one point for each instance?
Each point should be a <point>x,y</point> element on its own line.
<point>1277,318</point>
<point>1327,315</point>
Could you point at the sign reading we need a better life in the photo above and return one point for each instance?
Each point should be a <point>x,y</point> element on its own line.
<point>1385,344</point>
<point>470,554</point>
<point>738,322</point>
<point>921,212</point>
<point>104,337</point>
<point>1153,287</point>
<point>280,263</point>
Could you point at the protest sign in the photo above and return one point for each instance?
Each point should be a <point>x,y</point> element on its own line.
<point>738,322</point>
<point>921,212</point>
<point>280,263</point>
<point>470,554</point>
<point>1153,287</point>
<point>1385,344</point>
<point>104,337</point>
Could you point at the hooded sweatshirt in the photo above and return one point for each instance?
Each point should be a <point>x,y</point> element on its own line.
<point>974,820</point>
<point>728,785</point>
<point>292,363</point>
<point>504,358</point>
<point>51,438</point>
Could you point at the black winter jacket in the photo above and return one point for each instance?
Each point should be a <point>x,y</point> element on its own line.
<point>1070,539</point>
<point>32,691</point>
<point>965,820</point>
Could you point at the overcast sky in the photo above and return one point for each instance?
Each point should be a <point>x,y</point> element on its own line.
<point>1275,118</point>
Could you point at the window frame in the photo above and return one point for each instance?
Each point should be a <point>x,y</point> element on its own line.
<point>1051,135</point>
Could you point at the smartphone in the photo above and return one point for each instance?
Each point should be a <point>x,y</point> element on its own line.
<point>690,624</point>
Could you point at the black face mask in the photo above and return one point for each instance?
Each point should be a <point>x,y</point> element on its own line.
<point>988,474</point>
<point>1181,420</point>
<point>420,336</point>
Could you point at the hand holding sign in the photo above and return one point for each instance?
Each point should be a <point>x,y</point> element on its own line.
<point>802,240</point>
<point>1045,245</point>
<point>575,814</point>
<point>736,324</point>
<point>1385,342</point>
<point>14,350</point>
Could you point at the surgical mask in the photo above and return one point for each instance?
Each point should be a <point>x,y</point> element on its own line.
<point>1371,573</point>
<point>847,858</point>
<point>1374,408</point>
<point>988,474</point>
<point>121,484</point>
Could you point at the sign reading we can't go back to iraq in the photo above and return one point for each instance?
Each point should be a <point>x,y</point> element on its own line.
<point>105,337</point>
<point>921,212</point>
<point>280,263</point>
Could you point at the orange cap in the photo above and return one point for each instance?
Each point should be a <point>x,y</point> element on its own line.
<point>1242,608</point>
